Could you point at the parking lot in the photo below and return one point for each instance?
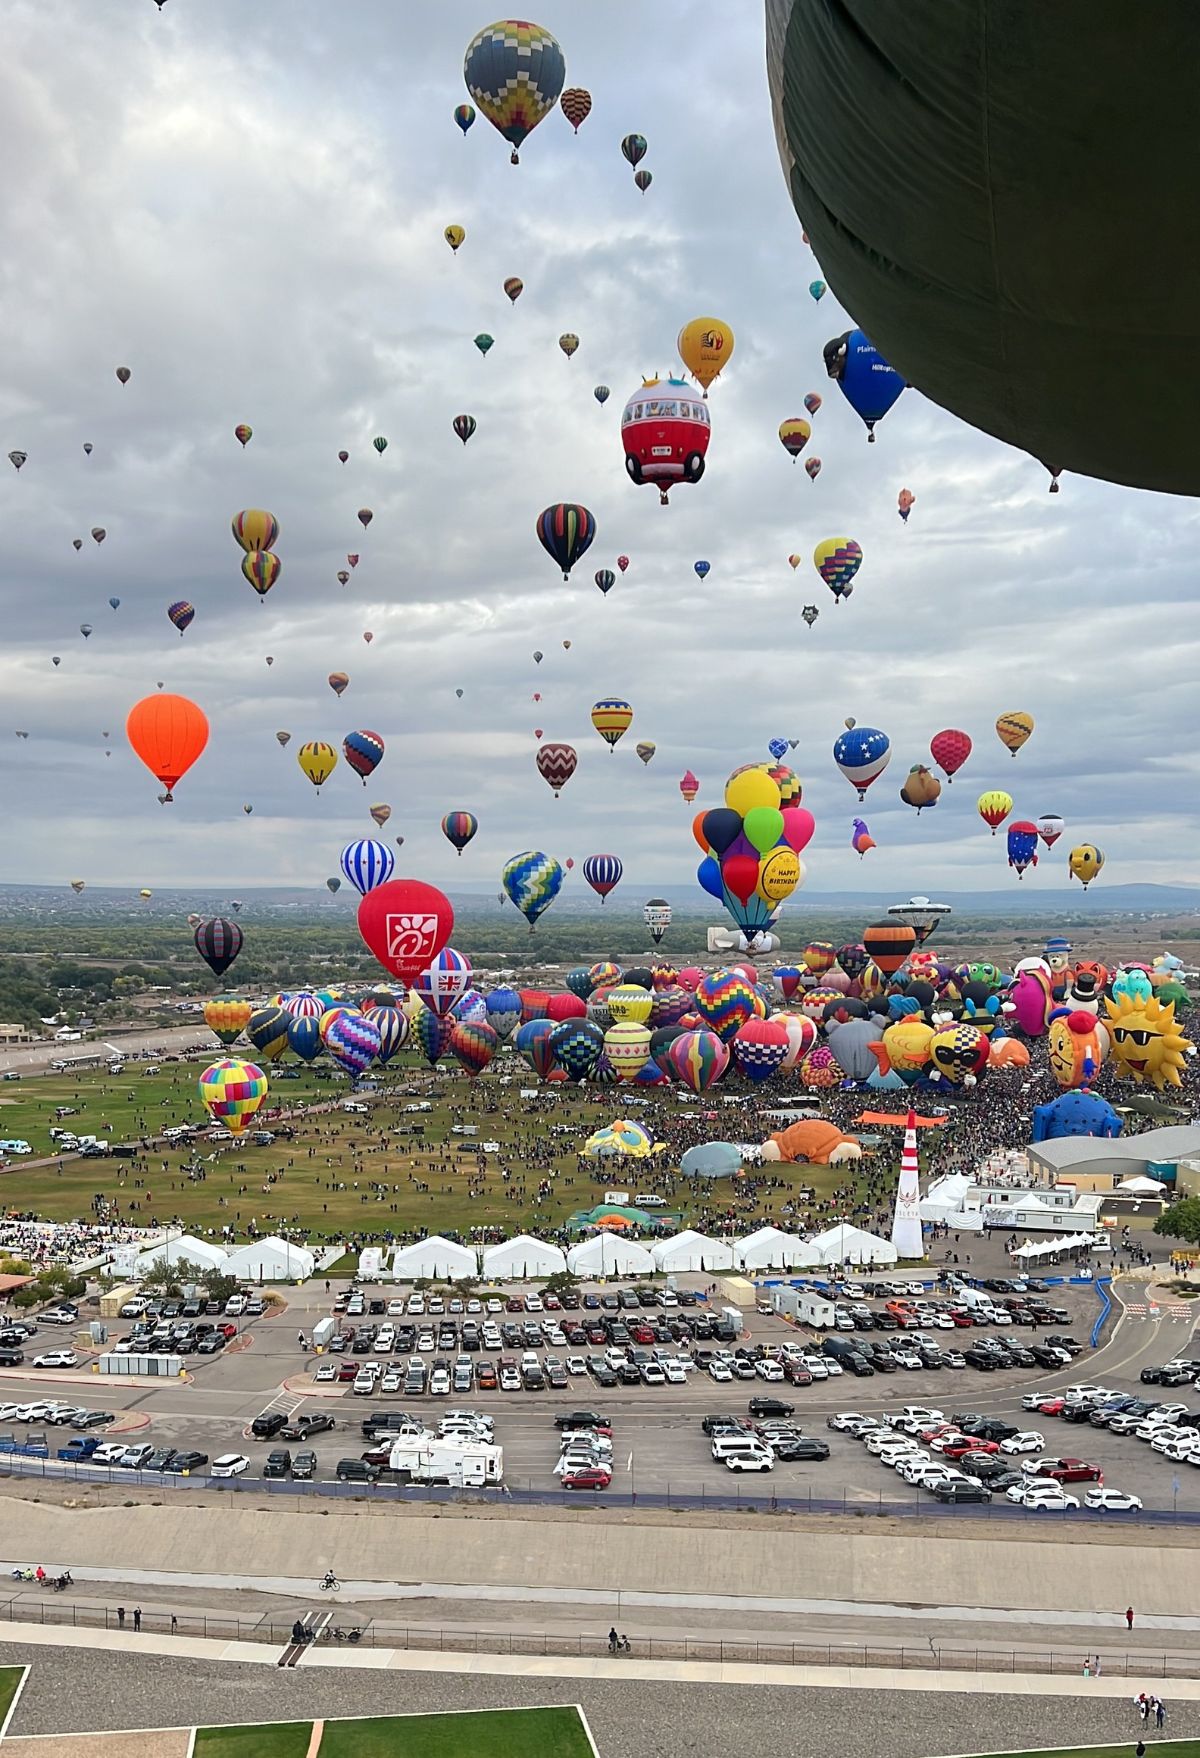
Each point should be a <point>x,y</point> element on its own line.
<point>653,1366</point>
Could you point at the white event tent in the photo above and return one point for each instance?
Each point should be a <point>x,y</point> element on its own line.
<point>690,1250</point>
<point>434,1259</point>
<point>522,1256</point>
<point>769,1248</point>
<point>200,1254</point>
<point>845,1244</point>
<point>607,1254</point>
<point>271,1260</point>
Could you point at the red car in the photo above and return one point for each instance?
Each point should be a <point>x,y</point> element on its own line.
<point>1072,1471</point>
<point>228,1330</point>
<point>590,1477</point>
<point>963,1320</point>
<point>641,1333</point>
<point>1052,1407</point>
<point>968,1444</point>
<point>514,1303</point>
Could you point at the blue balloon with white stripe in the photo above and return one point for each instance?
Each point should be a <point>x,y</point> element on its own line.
<point>367,863</point>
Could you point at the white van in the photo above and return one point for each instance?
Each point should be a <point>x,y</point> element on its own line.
<point>742,1454</point>
<point>356,1107</point>
<point>15,1147</point>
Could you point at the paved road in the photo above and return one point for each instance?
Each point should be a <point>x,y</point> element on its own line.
<point>67,1692</point>
<point>36,1058</point>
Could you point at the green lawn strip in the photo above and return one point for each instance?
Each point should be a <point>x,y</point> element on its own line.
<point>280,1739</point>
<point>500,1733</point>
<point>1158,1749</point>
<point>10,1679</point>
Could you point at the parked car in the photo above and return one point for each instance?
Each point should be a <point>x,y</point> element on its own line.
<point>230,1465</point>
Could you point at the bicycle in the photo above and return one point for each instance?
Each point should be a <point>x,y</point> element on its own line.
<point>330,1583</point>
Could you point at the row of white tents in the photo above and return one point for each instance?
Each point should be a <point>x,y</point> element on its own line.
<point>260,1260</point>
<point>612,1254</point>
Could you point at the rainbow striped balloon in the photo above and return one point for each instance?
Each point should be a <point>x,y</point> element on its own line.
<point>233,1092</point>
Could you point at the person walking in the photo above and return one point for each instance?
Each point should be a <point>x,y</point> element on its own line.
<point>120,1617</point>
<point>1160,1712</point>
<point>1129,1617</point>
<point>174,1623</point>
<point>137,1617</point>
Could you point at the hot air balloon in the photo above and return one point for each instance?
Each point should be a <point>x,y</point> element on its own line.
<point>605,579</point>
<point>838,560</point>
<point>365,515</point>
<point>689,787</point>
<point>862,753</point>
<point>344,457</point>
<point>634,148</point>
<point>813,468</point>
<point>218,941</point>
<point>458,828</point>
<point>98,533</point>
<point>368,636</point>
<point>612,719</point>
<point>861,839</point>
<point>464,427</point>
<point>950,750</point>
<point>568,342</point>
<point>318,761</point>
<point>1085,862</point>
<point>565,531</point>
<point>227,1017</point>
<point>665,431</point>
<point>812,401</point>
<point>232,1091</point>
<point>85,630</point>
<point>622,562</point>
<point>865,379</point>
<point>810,613</point>
<point>367,863</point>
<point>333,886</point>
<point>168,733</point>
<point>405,924</point>
<point>556,765</point>
<point>181,613</point>
<point>646,749</point>
<point>993,807</point>
<point>380,444</point>
<point>532,881</point>
<point>537,658</point>
<point>363,751</point>
<point>1013,730</point>
<point>381,814</point>
<point>601,394</point>
<point>77,543</point>
<point>904,503</point>
<point>124,374</point>
<point>338,682</point>
<point>342,576</point>
<point>816,290</point>
<point>255,529</point>
<point>1022,845</point>
<point>454,236</point>
<point>483,342</point>
<point>352,561</point>
<point>262,568</point>
<point>114,603</point>
<point>473,1043</point>
<point>55,659</point>
<point>514,287</point>
<point>794,435</point>
<point>243,434</point>
<point>705,346</point>
<point>77,885</point>
<point>1050,827</point>
<point>576,105</point>
<point>16,459</point>
<point>603,874</point>
<point>464,115</point>
<point>515,72</point>
<point>352,1040</point>
<point>921,788</point>
<point>888,945</point>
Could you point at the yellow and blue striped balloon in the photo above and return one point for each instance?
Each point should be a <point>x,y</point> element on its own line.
<point>515,73</point>
<point>532,881</point>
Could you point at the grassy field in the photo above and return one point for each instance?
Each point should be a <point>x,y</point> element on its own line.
<point>323,1175</point>
<point>10,1679</point>
<point>283,1739</point>
<point>500,1733</point>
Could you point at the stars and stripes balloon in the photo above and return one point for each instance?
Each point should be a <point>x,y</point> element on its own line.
<point>367,863</point>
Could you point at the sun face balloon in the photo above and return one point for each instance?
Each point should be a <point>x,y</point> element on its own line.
<point>1147,1044</point>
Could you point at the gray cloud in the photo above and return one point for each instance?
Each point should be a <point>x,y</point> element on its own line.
<point>246,206</point>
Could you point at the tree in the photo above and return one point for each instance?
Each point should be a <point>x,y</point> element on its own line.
<point>162,1277</point>
<point>1181,1221</point>
<point>217,1285</point>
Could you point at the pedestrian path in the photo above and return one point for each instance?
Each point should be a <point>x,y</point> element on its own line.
<point>600,1667</point>
<point>359,1592</point>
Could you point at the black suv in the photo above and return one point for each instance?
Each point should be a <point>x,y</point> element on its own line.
<point>278,1464</point>
<point>769,1407</point>
<point>582,1419</point>
<point>268,1425</point>
<point>954,1491</point>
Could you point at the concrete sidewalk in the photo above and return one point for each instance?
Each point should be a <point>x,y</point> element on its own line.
<point>601,1667</point>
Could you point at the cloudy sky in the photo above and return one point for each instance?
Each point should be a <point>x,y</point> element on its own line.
<point>244,203</point>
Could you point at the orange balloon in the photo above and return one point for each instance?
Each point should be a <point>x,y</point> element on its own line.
<point>1008,1053</point>
<point>168,733</point>
<point>697,831</point>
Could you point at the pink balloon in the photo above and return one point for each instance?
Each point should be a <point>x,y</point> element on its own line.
<point>798,827</point>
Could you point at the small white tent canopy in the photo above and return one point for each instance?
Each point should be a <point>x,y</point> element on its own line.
<point>1047,1247</point>
<point>434,1259</point>
<point>845,1244</point>
<point>271,1260</point>
<point>690,1250</point>
<point>200,1254</point>
<point>607,1254</point>
<point>522,1256</point>
<point>1142,1186</point>
<point>768,1248</point>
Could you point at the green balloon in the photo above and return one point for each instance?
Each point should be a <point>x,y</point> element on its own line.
<point>762,827</point>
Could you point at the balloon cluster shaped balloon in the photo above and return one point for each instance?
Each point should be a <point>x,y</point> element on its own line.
<point>752,844</point>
